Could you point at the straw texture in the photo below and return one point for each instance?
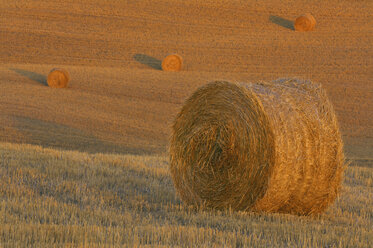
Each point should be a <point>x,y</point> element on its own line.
<point>58,78</point>
<point>272,147</point>
<point>305,23</point>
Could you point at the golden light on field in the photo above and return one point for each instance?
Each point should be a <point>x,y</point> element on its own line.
<point>99,174</point>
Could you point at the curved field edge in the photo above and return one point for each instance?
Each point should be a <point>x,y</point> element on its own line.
<point>53,198</point>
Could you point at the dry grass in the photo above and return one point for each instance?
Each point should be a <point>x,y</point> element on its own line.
<point>127,107</point>
<point>271,147</point>
<point>54,198</point>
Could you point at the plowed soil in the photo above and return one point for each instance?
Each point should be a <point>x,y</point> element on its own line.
<point>119,100</point>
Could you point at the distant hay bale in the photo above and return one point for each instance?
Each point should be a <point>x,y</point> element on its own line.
<point>172,62</point>
<point>272,147</point>
<point>58,78</point>
<point>305,23</point>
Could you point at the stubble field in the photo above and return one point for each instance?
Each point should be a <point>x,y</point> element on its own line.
<point>120,102</point>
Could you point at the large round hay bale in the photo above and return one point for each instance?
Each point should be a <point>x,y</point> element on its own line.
<point>305,23</point>
<point>172,62</point>
<point>58,78</point>
<point>272,147</point>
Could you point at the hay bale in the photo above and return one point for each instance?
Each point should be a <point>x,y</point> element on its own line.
<point>272,147</point>
<point>172,62</point>
<point>58,78</point>
<point>305,23</point>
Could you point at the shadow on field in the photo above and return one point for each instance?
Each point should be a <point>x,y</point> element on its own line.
<point>32,75</point>
<point>149,61</point>
<point>282,22</point>
<point>58,136</point>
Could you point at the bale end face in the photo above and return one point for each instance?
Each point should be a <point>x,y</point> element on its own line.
<point>58,78</point>
<point>305,23</point>
<point>214,161</point>
<point>172,63</point>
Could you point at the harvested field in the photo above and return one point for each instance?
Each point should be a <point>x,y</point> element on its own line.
<point>79,199</point>
<point>120,101</point>
<point>113,53</point>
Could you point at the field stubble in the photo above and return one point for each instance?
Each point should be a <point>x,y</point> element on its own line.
<point>126,105</point>
<point>51,197</point>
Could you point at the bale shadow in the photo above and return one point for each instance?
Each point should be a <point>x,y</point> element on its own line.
<point>149,61</point>
<point>282,22</point>
<point>32,75</point>
<point>59,136</point>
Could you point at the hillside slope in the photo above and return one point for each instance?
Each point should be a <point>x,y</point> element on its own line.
<point>120,101</point>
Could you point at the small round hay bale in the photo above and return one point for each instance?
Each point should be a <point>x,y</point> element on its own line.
<point>272,147</point>
<point>58,78</point>
<point>172,62</point>
<point>305,23</point>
